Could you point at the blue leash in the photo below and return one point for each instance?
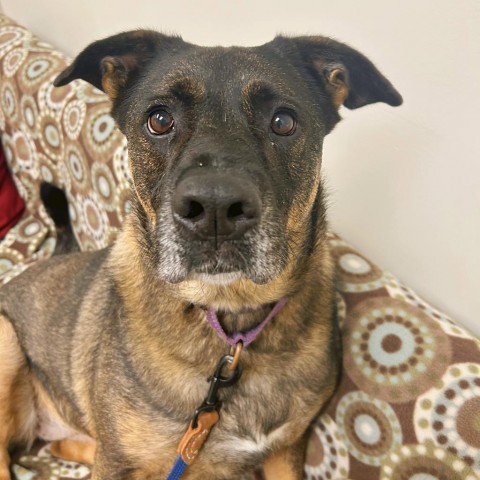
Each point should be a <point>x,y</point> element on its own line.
<point>178,469</point>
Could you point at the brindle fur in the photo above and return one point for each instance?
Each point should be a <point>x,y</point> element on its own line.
<point>114,346</point>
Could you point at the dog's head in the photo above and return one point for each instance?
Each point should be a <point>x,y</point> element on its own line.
<point>225,144</point>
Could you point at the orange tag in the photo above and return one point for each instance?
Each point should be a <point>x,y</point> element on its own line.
<point>194,438</point>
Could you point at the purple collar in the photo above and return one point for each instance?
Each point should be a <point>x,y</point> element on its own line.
<point>249,336</point>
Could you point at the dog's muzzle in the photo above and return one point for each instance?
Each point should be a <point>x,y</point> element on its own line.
<point>219,223</point>
<point>216,205</point>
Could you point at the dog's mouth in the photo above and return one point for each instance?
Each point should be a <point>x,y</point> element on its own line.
<point>259,255</point>
<point>227,258</point>
<point>219,263</point>
<point>218,278</point>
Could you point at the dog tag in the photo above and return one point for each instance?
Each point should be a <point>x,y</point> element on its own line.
<point>194,438</point>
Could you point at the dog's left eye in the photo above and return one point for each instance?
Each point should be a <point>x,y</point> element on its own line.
<point>160,122</point>
<point>283,123</point>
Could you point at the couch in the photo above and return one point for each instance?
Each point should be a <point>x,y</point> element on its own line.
<point>408,404</point>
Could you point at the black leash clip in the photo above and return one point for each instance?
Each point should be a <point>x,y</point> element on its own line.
<point>218,381</point>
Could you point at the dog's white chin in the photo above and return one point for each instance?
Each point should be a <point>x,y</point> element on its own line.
<point>217,279</point>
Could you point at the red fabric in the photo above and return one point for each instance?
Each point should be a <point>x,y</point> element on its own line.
<point>11,204</point>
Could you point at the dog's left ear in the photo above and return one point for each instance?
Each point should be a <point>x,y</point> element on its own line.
<point>111,63</point>
<point>349,77</point>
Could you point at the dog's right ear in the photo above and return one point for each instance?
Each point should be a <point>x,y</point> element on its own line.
<point>110,64</point>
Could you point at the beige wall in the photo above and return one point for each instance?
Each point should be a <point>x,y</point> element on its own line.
<point>404,183</point>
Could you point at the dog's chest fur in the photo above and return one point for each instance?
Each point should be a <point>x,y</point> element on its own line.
<point>257,416</point>
<point>239,431</point>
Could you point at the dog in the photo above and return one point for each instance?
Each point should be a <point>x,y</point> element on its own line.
<point>107,353</point>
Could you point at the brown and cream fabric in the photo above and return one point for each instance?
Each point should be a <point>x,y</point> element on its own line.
<point>64,136</point>
<point>408,405</point>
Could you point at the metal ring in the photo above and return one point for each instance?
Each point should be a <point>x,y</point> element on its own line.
<point>236,356</point>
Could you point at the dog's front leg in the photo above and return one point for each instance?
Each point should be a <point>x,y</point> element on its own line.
<point>74,451</point>
<point>287,463</point>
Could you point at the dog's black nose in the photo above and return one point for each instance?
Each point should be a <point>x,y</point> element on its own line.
<point>216,204</point>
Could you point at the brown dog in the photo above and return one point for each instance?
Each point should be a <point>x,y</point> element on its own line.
<point>108,352</point>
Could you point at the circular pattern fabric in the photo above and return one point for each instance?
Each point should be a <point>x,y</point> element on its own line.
<point>48,170</point>
<point>26,153</point>
<point>398,290</point>
<point>13,60</point>
<point>37,69</point>
<point>424,462</point>
<point>10,36</point>
<point>99,133</point>
<point>51,137</point>
<point>369,427</point>
<point>9,258</point>
<point>9,99</point>
<point>49,467</point>
<point>66,180</point>
<point>341,309</point>
<point>355,273</point>
<point>451,411</point>
<point>15,270</point>
<point>327,457</point>
<point>121,170</point>
<point>2,120</point>
<point>73,118</point>
<point>28,228</point>
<point>124,202</point>
<point>394,350</point>
<point>29,112</point>
<point>86,242</point>
<point>53,99</point>
<point>74,205</point>
<point>104,185</point>
<point>38,46</point>
<point>88,93</point>
<point>121,166</point>
<point>77,168</point>
<point>94,220</point>
<point>27,187</point>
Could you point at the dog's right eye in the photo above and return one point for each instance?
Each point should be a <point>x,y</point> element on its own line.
<point>160,122</point>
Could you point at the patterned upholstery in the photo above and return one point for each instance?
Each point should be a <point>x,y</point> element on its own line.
<point>61,135</point>
<point>408,406</point>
